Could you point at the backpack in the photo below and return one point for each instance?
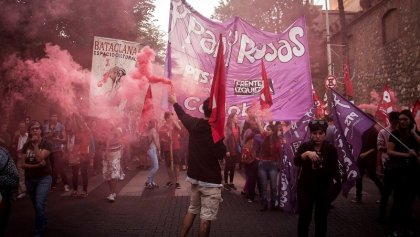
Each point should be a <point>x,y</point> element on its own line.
<point>248,154</point>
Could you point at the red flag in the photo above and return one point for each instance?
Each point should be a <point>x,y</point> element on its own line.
<point>416,109</point>
<point>325,105</point>
<point>147,113</point>
<point>385,106</point>
<point>319,106</point>
<point>347,81</point>
<point>218,96</point>
<point>265,98</point>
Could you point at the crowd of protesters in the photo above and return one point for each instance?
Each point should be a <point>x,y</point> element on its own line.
<point>47,153</point>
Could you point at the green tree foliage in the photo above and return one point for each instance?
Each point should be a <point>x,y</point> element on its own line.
<point>269,15</point>
<point>276,16</point>
<point>27,25</point>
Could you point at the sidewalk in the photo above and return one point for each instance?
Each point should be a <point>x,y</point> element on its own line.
<point>159,212</point>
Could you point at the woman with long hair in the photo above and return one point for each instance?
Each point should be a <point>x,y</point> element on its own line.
<point>38,172</point>
<point>232,142</point>
<point>403,148</point>
<point>152,152</point>
<point>268,164</point>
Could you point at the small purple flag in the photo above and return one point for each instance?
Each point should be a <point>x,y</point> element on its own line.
<point>350,123</point>
<point>297,134</point>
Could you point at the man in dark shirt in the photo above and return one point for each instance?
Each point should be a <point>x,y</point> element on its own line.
<point>203,169</point>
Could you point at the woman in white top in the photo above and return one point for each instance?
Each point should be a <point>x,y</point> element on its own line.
<point>111,162</point>
<point>154,149</point>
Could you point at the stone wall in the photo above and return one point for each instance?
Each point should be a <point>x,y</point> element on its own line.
<point>375,63</point>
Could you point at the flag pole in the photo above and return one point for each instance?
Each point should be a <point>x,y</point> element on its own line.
<point>373,120</point>
<point>390,133</point>
<point>171,154</point>
<point>327,27</point>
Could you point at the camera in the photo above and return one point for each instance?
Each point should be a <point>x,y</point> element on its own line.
<point>318,164</point>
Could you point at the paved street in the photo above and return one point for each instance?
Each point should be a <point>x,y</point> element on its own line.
<point>139,212</point>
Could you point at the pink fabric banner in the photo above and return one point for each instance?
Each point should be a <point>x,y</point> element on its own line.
<point>191,56</point>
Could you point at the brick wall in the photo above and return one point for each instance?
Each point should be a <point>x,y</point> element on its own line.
<point>375,62</point>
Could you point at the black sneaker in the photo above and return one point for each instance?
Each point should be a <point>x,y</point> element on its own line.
<point>232,186</point>
<point>169,184</point>
<point>227,187</point>
<point>177,186</point>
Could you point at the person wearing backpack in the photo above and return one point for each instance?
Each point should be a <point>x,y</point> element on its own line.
<point>250,162</point>
<point>9,181</point>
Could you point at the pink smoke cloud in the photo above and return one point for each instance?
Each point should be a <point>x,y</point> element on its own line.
<point>145,59</point>
<point>55,77</point>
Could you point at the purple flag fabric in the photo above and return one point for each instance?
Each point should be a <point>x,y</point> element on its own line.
<point>350,123</point>
<point>192,49</point>
<point>294,137</point>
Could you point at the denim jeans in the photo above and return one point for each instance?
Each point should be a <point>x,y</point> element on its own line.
<point>38,192</point>
<point>154,163</point>
<point>268,170</point>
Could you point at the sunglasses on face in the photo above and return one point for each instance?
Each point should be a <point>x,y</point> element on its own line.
<point>317,122</point>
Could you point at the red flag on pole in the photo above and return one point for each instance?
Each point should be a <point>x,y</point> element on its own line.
<point>319,106</point>
<point>325,105</point>
<point>147,112</point>
<point>416,109</point>
<point>347,81</point>
<point>265,98</point>
<point>385,106</point>
<point>218,96</point>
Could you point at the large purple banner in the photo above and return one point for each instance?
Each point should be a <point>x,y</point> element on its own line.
<point>192,48</point>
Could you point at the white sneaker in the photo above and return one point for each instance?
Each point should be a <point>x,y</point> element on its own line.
<point>21,195</point>
<point>66,188</point>
<point>111,197</point>
<point>122,177</point>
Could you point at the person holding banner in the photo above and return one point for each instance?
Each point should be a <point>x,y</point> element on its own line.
<point>204,171</point>
<point>367,161</point>
<point>318,163</point>
<point>403,148</point>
